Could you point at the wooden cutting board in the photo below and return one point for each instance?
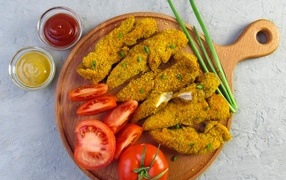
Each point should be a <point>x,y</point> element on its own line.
<point>247,46</point>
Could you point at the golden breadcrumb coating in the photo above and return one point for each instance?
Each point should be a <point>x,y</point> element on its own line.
<point>135,63</point>
<point>209,83</point>
<point>137,89</point>
<point>219,108</point>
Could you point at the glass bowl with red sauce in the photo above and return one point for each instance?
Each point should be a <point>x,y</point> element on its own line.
<point>60,28</point>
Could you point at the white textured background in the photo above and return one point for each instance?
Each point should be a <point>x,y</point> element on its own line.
<point>30,145</point>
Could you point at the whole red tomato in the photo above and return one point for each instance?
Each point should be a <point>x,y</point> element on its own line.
<point>142,161</point>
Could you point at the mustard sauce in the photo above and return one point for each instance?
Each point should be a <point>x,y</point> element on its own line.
<point>33,69</point>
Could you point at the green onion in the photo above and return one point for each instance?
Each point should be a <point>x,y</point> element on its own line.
<point>121,54</point>
<point>208,60</point>
<point>120,35</point>
<point>93,64</point>
<point>178,126</point>
<point>139,59</point>
<point>146,49</point>
<point>224,86</point>
<point>175,158</point>
<point>199,86</point>
<point>172,46</point>
<point>215,57</point>
<point>179,77</point>
<point>163,76</point>
<point>208,146</point>
<point>124,64</point>
<point>141,90</point>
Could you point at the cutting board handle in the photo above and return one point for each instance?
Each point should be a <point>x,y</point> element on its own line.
<point>248,46</point>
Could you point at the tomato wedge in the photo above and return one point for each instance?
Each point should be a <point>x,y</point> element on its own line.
<point>95,144</point>
<point>97,105</point>
<point>126,137</point>
<point>88,92</point>
<point>119,116</point>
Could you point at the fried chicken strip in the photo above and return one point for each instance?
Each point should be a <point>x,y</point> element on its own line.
<point>147,55</point>
<point>114,46</point>
<point>163,46</point>
<point>187,140</point>
<point>188,113</point>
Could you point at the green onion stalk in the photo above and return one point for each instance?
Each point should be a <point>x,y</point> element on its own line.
<point>217,69</point>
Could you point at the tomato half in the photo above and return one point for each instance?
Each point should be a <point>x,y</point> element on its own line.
<point>97,105</point>
<point>126,137</point>
<point>119,116</point>
<point>130,161</point>
<point>88,92</point>
<point>95,144</point>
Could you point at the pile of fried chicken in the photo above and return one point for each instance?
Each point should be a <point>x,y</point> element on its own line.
<point>179,106</point>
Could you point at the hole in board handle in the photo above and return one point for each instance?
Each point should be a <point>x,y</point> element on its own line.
<point>263,37</point>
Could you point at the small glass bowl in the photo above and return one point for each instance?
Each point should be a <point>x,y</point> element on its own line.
<point>52,13</point>
<point>22,65</point>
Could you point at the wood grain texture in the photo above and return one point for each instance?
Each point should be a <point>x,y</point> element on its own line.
<point>187,166</point>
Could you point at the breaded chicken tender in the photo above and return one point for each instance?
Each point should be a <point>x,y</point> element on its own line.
<point>163,46</point>
<point>170,80</point>
<point>113,47</point>
<point>188,113</point>
<point>143,28</point>
<point>177,113</point>
<point>158,48</point>
<point>187,140</point>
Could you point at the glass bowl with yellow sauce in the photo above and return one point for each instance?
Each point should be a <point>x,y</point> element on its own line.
<point>32,68</point>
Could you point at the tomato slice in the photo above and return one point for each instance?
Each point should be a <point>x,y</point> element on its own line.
<point>119,116</point>
<point>97,105</point>
<point>126,137</point>
<point>95,144</point>
<point>88,92</point>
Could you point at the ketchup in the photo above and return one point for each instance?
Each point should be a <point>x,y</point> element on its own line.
<point>61,30</point>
